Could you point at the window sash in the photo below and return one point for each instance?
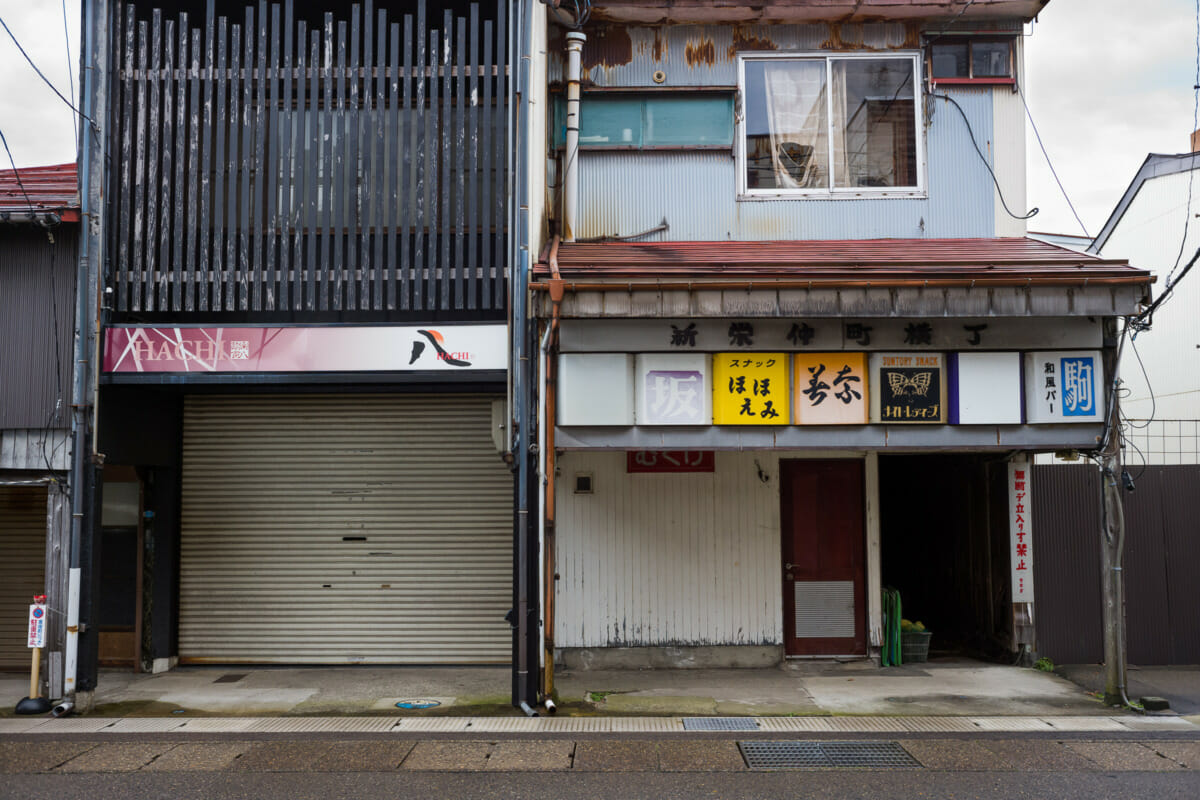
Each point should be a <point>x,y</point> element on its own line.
<point>829,135</point>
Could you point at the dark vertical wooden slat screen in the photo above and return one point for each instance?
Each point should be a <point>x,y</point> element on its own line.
<point>224,254</point>
<point>258,228</point>
<point>155,284</point>
<point>138,261</point>
<point>262,164</point>
<point>168,299</point>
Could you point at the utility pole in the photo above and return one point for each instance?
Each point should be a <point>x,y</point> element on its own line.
<point>1112,532</point>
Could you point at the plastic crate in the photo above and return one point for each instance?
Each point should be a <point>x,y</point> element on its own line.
<point>914,647</point>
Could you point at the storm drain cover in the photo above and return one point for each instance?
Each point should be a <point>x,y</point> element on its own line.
<point>824,755</point>
<point>719,724</point>
<point>232,677</point>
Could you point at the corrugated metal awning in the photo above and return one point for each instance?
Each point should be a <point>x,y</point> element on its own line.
<point>871,262</point>
<point>41,190</point>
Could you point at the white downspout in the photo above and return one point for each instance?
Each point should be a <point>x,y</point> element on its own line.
<point>575,40</point>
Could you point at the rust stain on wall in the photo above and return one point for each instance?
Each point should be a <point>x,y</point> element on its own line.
<point>660,46</point>
<point>607,46</point>
<point>744,39</point>
<point>701,52</point>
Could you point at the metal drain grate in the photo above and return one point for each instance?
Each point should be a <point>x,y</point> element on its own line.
<point>825,755</point>
<point>719,724</point>
<point>232,677</point>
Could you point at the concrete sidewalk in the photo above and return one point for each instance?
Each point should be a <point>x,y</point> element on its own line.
<point>943,687</point>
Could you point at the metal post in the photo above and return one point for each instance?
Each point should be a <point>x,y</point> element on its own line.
<point>94,94</point>
<point>575,40</point>
<point>1112,539</point>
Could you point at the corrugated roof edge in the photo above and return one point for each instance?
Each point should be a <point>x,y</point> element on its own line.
<point>1156,165</point>
<point>41,190</point>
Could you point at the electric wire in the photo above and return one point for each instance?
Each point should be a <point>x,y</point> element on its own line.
<point>16,173</point>
<point>1032,212</point>
<point>950,24</point>
<point>1049,163</point>
<point>70,70</point>
<point>1187,211</point>
<point>45,80</point>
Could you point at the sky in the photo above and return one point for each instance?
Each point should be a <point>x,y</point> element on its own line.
<point>1108,82</point>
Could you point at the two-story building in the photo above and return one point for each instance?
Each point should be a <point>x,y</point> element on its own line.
<point>39,235</point>
<point>795,344</point>
<point>302,391</point>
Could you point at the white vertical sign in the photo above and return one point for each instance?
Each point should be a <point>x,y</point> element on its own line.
<point>1020,473</point>
<point>37,625</point>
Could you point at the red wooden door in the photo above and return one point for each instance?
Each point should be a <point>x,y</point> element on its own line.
<point>824,598</point>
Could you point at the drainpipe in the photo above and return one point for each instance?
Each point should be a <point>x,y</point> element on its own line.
<point>526,639</point>
<point>575,40</point>
<point>549,467</point>
<point>93,64</point>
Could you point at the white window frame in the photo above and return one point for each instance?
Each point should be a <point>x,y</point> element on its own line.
<point>916,57</point>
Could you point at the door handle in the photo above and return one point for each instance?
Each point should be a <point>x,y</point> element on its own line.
<point>789,566</point>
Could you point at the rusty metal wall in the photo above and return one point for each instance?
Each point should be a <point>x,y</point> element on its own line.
<point>1162,564</point>
<point>706,55</point>
<point>37,287</point>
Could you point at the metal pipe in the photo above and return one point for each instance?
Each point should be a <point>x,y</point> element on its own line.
<point>93,65</point>
<point>550,466</point>
<point>529,710</point>
<point>550,707</point>
<point>575,40</point>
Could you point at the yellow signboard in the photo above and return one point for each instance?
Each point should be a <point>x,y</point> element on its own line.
<point>831,388</point>
<point>750,389</point>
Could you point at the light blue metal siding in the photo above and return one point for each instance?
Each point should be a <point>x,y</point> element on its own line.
<point>627,192</point>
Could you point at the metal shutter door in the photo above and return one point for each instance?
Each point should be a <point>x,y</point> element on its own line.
<point>22,567</point>
<point>347,529</point>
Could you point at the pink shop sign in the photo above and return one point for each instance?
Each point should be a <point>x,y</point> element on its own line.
<point>378,348</point>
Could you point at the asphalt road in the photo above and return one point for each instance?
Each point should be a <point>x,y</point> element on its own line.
<point>890,785</point>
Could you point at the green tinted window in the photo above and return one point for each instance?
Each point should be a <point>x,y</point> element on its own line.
<point>650,120</point>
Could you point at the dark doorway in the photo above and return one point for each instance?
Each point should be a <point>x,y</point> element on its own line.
<point>944,539</point>
<point>824,605</point>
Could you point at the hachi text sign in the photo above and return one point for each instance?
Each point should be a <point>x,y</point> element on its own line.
<point>750,389</point>
<point>1020,530</point>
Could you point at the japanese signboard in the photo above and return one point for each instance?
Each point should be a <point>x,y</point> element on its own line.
<point>375,348</point>
<point>830,388</point>
<point>750,389</point>
<point>670,461</point>
<point>37,625</point>
<point>1064,386</point>
<point>825,334</point>
<point>673,389</point>
<point>908,388</point>
<point>1020,530</point>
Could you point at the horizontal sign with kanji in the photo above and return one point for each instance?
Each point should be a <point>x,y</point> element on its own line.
<point>831,388</point>
<point>670,461</point>
<point>750,389</point>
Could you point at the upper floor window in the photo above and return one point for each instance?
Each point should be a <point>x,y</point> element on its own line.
<point>973,60</point>
<point>837,125</point>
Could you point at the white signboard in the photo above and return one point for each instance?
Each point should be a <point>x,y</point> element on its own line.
<point>1020,529</point>
<point>37,626</point>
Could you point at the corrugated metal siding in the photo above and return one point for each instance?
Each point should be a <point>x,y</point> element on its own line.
<point>28,385</point>
<point>1148,235</point>
<point>1181,509</point>
<point>22,567</point>
<point>627,192</point>
<point>271,485</point>
<point>1162,565</point>
<point>1007,150</point>
<point>35,449</point>
<point>689,559</point>
<point>1066,578</point>
<point>706,55</point>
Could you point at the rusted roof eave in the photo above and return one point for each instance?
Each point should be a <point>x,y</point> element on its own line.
<point>835,283</point>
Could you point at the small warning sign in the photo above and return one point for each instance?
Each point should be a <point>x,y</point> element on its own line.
<point>37,626</point>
